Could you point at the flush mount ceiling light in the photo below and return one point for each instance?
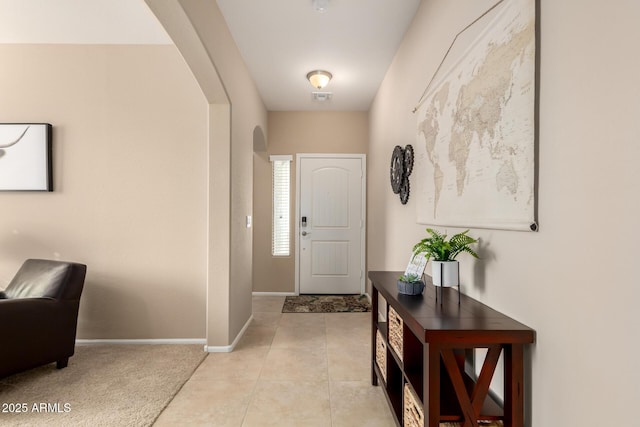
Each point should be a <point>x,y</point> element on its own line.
<point>320,5</point>
<point>319,78</point>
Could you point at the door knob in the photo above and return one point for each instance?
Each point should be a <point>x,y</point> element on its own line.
<point>304,233</point>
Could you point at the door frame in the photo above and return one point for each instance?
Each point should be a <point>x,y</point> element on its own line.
<point>363,228</point>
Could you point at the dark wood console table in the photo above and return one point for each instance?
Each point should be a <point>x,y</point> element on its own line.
<point>436,342</point>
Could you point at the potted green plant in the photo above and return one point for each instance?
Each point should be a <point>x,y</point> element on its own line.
<point>410,284</point>
<point>443,253</point>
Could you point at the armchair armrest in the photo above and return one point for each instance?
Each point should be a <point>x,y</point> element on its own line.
<point>37,316</point>
<point>36,331</point>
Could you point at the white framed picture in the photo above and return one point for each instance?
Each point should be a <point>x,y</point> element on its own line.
<point>25,157</point>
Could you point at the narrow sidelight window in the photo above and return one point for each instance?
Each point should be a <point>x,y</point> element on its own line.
<point>281,185</point>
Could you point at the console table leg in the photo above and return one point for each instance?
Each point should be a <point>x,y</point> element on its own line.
<point>514,385</point>
<point>431,363</point>
<point>374,329</point>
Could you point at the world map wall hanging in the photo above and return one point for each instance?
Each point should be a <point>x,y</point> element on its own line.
<point>475,146</point>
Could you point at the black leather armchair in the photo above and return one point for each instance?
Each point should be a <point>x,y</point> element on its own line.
<point>39,315</point>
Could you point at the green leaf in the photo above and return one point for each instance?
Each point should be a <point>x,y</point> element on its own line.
<point>437,247</point>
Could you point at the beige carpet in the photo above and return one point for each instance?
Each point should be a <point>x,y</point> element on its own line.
<point>104,385</point>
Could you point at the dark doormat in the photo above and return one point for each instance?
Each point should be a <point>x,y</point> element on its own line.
<point>326,304</point>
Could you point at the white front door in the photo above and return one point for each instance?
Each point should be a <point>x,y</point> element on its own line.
<point>330,224</point>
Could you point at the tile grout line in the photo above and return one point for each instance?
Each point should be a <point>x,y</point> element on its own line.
<point>326,349</point>
<point>264,361</point>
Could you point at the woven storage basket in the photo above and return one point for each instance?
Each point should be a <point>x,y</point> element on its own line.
<point>480,424</point>
<point>395,332</point>
<point>413,415</point>
<point>381,355</point>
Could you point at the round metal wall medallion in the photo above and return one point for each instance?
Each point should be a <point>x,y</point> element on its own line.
<point>397,168</point>
<point>401,168</point>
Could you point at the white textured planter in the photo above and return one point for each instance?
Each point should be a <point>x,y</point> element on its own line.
<point>445,273</point>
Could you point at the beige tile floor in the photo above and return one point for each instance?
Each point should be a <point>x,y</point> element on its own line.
<point>288,370</point>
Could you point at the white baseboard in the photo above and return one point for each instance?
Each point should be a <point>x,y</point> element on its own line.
<point>228,348</point>
<point>273,294</point>
<point>143,341</point>
<point>200,341</point>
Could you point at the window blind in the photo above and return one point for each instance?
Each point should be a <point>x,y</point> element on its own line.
<point>281,186</point>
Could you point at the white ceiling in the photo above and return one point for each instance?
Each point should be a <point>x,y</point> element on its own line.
<point>79,22</point>
<point>280,40</point>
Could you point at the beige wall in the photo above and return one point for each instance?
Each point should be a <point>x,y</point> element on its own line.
<point>236,111</point>
<point>574,281</point>
<point>291,133</point>
<point>247,112</point>
<point>129,138</point>
<point>140,146</point>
